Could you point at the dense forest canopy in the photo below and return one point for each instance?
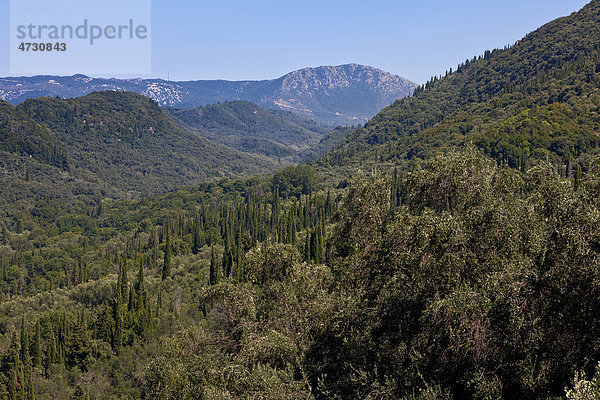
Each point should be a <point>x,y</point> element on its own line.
<point>466,279</point>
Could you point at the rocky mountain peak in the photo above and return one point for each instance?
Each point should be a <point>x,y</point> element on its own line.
<point>332,95</point>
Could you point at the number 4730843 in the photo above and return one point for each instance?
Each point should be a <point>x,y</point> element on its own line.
<point>43,47</point>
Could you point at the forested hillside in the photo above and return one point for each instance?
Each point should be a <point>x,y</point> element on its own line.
<point>558,64</point>
<point>109,133</point>
<point>249,128</point>
<point>22,136</point>
<point>35,165</point>
<point>465,280</point>
<point>463,264</point>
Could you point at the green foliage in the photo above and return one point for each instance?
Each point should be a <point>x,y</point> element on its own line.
<point>271,262</point>
<point>584,389</point>
<point>470,277</point>
<point>295,181</point>
<point>559,132</point>
<point>101,273</point>
<point>22,136</point>
<point>166,270</point>
<point>249,128</point>
<point>465,279</point>
<point>482,284</point>
<point>104,132</point>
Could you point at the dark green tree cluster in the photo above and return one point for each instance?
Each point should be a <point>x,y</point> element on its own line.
<point>482,275</point>
<point>56,338</point>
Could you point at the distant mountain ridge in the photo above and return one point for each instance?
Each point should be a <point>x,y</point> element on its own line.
<point>347,94</point>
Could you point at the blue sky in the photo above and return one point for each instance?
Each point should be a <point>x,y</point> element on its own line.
<point>241,39</point>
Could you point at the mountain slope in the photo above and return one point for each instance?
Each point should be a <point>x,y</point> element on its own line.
<point>130,143</point>
<point>351,92</point>
<point>34,167</point>
<point>341,95</point>
<point>21,135</point>
<point>249,128</point>
<point>558,63</point>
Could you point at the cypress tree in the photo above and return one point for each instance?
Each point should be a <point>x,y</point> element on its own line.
<point>227,258</point>
<point>37,345</point>
<point>307,251</point>
<point>124,281</point>
<point>328,205</point>
<point>131,301</point>
<point>238,258</point>
<point>30,395</point>
<point>142,299</point>
<point>288,228</point>
<point>118,331</point>
<point>23,340</point>
<point>275,213</point>
<point>196,241</point>
<point>394,189</point>
<point>293,227</point>
<point>319,255</point>
<point>313,245</point>
<point>80,344</point>
<point>213,279</point>
<point>63,336</point>
<point>24,344</point>
<point>159,300</point>
<point>118,288</point>
<point>166,273</point>
<point>52,352</point>
<point>525,160</point>
<point>577,178</point>
<point>21,388</point>
<point>13,383</point>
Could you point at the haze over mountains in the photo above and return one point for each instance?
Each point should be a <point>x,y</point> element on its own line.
<point>332,95</point>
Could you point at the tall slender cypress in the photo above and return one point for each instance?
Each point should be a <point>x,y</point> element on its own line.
<point>307,250</point>
<point>196,238</point>
<point>166,273</point>
<point>37,345</point>
<point>238,259</point>
<point>577,178</point>
<point>213,278</point>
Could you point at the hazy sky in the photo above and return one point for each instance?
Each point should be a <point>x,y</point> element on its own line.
<point>241,39</point>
